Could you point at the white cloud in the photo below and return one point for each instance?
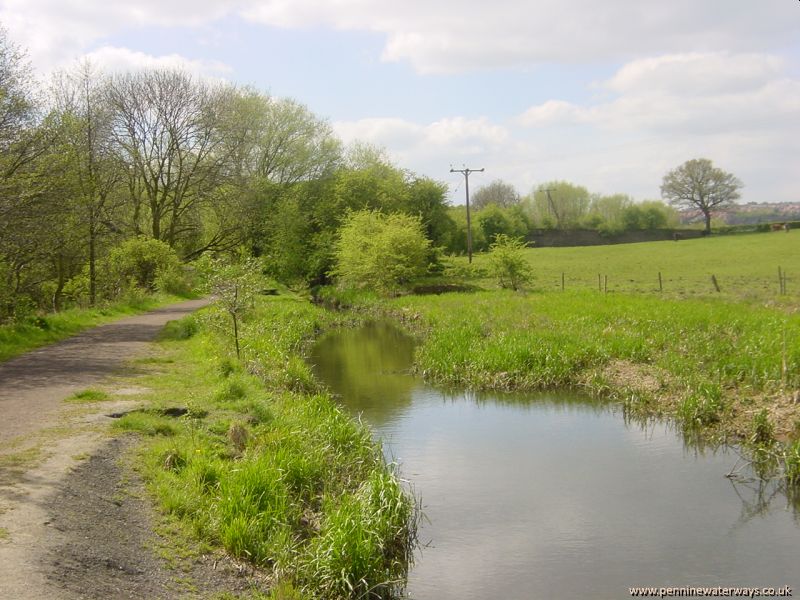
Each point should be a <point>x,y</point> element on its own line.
<point>450,35</point>
<point>112,59</point>
<point>55,32</point>
<point>435,36</point>
<point>687,94</point>
<point>653,114</point>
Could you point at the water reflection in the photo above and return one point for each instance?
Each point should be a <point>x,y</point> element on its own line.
<point>557,495</point>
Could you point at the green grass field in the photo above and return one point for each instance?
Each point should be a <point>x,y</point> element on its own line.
<point>746,267</point>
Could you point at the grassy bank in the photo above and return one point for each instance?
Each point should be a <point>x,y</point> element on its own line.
<point>36,331</point>
<point>265,465</point>
<point>713,366</point>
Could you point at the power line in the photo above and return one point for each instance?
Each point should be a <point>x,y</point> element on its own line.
<point>465,171</point>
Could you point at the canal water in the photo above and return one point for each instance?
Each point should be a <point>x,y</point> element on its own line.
<point>547,495</point>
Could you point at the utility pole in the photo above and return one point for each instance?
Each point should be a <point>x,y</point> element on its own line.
<point>465,171</point>
<point>552,204</point>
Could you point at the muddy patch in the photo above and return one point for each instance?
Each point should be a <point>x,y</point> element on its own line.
<point>107,547</point>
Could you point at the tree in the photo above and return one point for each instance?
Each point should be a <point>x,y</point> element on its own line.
<point>166,129</point>
<point>382,252</point>
<point>497,192</point>
<point>697,184</point>
<point>235,285</point>
<point>564,206</point>
<point>84,144</point>
<point>507,262</point>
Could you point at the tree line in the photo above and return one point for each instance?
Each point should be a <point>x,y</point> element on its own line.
<point>109,182</point>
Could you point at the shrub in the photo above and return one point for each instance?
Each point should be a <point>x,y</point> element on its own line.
<point>507,262</point>
<point>380,252</point>
<point>141,261</point>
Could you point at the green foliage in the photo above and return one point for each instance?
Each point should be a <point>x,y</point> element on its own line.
<point>304,493</point>
<point>180,329</point>
<point>141,261</point>
<point>381,252</point>
<point>763,432</point>
<point>148,423</point>
<point>701,408</point>
<point>508,263</point>
<point>235,285</point>
<point>498,192</point>
<point>88,396</point>
<point>566,205</point>
<point>698,185</point>
<point>505,340</point>
<point>792,463</point>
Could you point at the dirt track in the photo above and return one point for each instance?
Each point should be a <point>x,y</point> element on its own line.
<point>73,519</point>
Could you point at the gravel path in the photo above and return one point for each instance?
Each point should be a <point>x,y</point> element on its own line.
<point>74,521</point>
<point>32,386</point>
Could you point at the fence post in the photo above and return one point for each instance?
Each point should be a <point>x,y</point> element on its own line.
<point>660,284</point>
<point>714,281</point>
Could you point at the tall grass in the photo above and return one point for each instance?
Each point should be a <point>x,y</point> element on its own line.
<point>267,466</point>
<point>698,354</point>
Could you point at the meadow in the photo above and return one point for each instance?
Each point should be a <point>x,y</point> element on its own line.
<point>745,266</point>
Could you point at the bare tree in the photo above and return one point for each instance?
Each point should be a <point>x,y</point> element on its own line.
<point>697,184</point>
<point>165,129</point>
<point>497,192</point>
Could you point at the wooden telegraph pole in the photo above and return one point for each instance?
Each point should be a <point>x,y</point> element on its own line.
<point>465,171</point>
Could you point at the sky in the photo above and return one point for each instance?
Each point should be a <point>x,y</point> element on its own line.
<point>610,95</point>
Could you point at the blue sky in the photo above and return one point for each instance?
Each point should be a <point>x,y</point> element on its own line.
<point>608,95</point>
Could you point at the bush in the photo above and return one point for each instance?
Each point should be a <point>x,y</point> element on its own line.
<point>140,262</point>
<point>381,252</point>
<point>507,262</point>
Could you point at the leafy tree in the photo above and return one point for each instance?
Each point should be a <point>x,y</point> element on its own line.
<point>381,252</point>
<point>564,206</point>
<point>83,142</point>
<point>498,192</point>
<point>507,262</point>
<point>494,220</point>
<point>139,261</point>
<point>697,184</point>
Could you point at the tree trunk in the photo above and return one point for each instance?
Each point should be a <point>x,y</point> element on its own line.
<point>707,215</point>
<point>92,260</point>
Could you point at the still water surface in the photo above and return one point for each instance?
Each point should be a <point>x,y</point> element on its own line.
<point>554,495</point>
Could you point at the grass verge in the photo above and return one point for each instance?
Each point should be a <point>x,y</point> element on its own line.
<point>264,464</point>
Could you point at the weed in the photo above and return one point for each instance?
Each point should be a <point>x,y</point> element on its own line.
<point>146,422</point>
<point>763,432</point>
<point>180,329</point>
<point>88,396</point>
<point>792,463</point>
<point>268,474</point>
